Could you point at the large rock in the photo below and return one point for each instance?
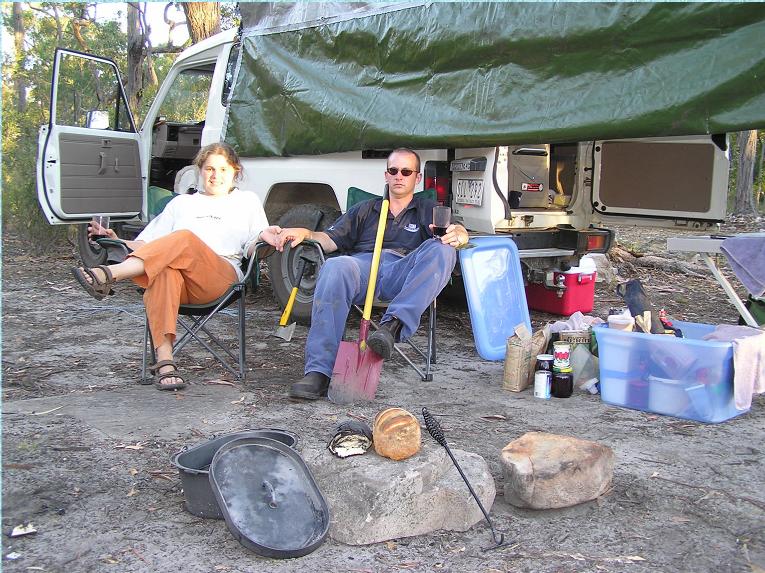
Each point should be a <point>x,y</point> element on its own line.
<point>544,471</point>
<point>373,499</point>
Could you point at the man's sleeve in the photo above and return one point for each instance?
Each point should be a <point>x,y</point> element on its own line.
<point>344,232</point>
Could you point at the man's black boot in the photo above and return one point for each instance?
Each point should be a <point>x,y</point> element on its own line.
<point>383,339</point>
<point>312,386</point>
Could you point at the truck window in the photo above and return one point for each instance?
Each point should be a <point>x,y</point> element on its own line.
<point>89,89</point>
<point>228,81</point>
<point>186,102</point>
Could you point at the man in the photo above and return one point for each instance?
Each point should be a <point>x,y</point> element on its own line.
<point>414,268</point>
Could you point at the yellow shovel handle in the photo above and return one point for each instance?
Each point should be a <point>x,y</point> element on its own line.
<point>288,308</point>
<point>376,259</point>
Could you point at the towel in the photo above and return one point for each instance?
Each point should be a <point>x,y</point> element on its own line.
<point>576,321</point>
<point>748,360</point>
<point>746,256</point>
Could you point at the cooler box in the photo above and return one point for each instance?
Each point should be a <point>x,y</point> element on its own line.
<point>686,377</point>
<point>578,295</point>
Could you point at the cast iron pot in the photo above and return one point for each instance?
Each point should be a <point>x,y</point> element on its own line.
<point>194,465</point>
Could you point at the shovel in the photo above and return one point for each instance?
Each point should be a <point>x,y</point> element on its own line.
<point>356,373</point>
<point>283,331</point>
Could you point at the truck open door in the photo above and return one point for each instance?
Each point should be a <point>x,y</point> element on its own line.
<point>676,181</point>
<point>89,157</point>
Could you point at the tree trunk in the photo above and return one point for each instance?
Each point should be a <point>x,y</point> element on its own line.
<point>135,56</point>
<point>761,192</point>
<point>202,19</point>
<point>20,83</point>
<point>747,144</point>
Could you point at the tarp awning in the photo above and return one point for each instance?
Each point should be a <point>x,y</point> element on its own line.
<point>328,77</point>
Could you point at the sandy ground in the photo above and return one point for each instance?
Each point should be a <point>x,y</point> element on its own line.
<point>86,451</point>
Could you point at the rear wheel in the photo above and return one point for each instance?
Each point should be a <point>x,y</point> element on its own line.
<point>90,253</point>
<point>283,267</point>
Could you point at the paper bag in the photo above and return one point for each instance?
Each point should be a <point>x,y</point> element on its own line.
<point>517,360</point>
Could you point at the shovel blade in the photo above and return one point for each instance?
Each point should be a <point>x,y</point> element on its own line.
<point>285,332</point>
<point>355,375</point>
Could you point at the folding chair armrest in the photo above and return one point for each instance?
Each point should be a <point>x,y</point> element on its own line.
<point>116,249</point>
<point>317,246</point>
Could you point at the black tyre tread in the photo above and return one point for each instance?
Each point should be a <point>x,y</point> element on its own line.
<point>282,266</point>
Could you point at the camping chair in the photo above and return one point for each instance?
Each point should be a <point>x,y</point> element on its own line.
<point>193,319</point>
<point>197,316</point>
<point>428,354</point>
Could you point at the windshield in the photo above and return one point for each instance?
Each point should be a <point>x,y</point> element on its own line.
<point>186,102</point>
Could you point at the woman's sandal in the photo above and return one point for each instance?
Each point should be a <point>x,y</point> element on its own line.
<point>169,374</point>
<point>95,287</point>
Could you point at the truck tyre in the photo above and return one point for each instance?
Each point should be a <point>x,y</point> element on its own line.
<point>283,267</point>
<point>90,253</point>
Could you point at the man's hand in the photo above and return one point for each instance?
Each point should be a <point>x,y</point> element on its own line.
<point>456,235</point>
<point>294,234</point>
<point>297,235</point>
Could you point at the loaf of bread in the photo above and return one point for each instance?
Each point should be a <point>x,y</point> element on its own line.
<point>396,434</point>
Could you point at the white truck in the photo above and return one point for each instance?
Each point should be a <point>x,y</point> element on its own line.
<point>550,198</point>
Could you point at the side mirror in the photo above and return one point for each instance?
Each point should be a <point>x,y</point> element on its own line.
<point>97,119</point>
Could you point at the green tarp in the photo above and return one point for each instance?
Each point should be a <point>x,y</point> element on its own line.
<point>443,74</point>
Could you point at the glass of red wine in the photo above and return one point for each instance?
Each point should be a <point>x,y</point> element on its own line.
<point>99,227</point>
<point>442,218</point>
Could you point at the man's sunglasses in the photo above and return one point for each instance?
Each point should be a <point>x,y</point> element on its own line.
<point>405,172</point>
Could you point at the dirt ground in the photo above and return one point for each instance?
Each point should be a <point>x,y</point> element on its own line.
<point>86,451</point>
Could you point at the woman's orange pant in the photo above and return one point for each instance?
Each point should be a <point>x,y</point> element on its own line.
<point>179,269</point>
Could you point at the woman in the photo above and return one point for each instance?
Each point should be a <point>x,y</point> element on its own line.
<point>189,254</point>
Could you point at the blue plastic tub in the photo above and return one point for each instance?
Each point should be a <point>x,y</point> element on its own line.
<point>496,298</point>
<point>685,377</point>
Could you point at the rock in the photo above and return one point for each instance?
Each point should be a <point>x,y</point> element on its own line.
<point>373,499</point>
<point>544,471</point>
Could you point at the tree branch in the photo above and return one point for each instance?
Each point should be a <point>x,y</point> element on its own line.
<point>167,49</point>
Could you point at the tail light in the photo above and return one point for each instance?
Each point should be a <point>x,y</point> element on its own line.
<point>598,240</point>
<point>438,178</point>
<point>591,240</point>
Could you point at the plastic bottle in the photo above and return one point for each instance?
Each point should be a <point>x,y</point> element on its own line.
<point>584,368</point>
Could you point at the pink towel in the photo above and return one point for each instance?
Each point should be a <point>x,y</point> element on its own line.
<point>748,360</point>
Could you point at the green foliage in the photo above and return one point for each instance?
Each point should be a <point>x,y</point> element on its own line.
<point>33,67</point>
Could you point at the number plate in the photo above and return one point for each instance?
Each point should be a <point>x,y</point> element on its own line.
<point>469,191</point>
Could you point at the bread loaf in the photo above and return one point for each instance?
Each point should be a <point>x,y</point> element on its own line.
<point>396,434</point>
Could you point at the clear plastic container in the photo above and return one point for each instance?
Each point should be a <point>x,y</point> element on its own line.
<point>686,377</point>
<point>621,322</point>
<point>585,368</point>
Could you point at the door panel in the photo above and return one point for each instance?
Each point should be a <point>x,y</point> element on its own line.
<point>675,179</point>
<point>99,175</point>
<point>89,158</point>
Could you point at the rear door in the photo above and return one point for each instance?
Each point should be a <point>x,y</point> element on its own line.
<point>89,158</point>
<point>671,181</point>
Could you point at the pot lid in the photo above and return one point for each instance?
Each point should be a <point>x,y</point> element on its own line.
<point>269,498</point>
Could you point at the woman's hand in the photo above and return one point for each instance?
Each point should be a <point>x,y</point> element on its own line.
<point>95,229</point>
<point>271,235</point>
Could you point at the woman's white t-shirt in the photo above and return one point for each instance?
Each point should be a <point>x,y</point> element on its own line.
<point>228,224</point>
